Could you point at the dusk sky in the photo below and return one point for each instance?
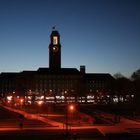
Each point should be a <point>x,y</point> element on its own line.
<point>104,35</point>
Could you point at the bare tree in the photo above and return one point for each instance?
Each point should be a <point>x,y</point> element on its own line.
<point>118,75</point>
<point>136,75</point>
<point>136,82</point>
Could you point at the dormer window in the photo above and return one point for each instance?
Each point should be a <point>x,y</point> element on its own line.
<point>55,40</point>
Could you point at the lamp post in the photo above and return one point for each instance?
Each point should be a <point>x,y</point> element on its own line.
<point>69,109</point>
<point>66,119</point>
<point>39,105</point>
<point>66,115</point>
<point>21,102</point>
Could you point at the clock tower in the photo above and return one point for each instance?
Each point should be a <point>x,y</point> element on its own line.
<point>55,51</point>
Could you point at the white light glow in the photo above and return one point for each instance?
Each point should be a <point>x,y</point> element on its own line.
<point>9,98</point>
<point>55,40</point>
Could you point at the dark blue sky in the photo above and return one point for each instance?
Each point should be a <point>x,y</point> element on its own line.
<point>104,35</point>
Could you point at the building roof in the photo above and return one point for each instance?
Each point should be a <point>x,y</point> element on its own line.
<point>58,71</point>
<point>98,76</point>
<point>8,74</point>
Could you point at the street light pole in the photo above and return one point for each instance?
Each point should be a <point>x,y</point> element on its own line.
<point>66,115</point>
<point>69,108</point>
<point>66,119</point>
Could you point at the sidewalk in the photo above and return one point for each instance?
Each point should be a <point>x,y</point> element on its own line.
<point>36,117</point>
<point>124,126</point>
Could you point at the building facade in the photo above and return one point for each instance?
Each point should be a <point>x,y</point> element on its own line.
<point>54,84</point>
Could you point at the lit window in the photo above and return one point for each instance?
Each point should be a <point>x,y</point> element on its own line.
<point>55,40</point>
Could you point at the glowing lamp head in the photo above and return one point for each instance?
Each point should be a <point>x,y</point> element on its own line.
<point>21,100</point>
<point>40,102</point>
<point>71,107</point>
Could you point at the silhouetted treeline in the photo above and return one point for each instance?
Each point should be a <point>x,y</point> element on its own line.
<point>131,86</point>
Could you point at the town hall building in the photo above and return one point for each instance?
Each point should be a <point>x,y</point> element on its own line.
<point>55,84</point>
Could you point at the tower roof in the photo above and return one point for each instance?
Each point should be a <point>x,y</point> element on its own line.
<point>55,32</point>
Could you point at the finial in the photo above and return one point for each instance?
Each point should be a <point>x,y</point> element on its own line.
<point>53,28</point>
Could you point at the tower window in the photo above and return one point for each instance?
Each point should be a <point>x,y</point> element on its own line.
<point>55,40</point>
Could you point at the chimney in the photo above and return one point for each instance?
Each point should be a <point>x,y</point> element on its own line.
<point>82,69</point>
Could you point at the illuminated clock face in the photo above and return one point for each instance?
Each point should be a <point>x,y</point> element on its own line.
<point>55,40</point>
<point>55,48</point>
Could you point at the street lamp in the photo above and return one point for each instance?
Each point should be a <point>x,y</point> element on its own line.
<point>21,102</point>
<point>69,109</point>
<point>39,105</point>
<point>71,112</point>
